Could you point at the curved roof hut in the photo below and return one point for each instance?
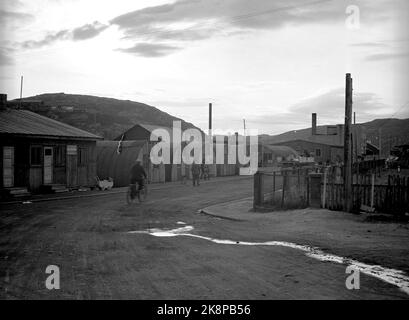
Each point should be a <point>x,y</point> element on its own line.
<point>116,162</point>
<point>273,154</point>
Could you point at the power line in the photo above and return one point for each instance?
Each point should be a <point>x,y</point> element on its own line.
<point>389,119</point>
<point>233,19</point>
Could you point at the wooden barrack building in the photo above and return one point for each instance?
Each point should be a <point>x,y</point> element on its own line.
<point>38,153</point>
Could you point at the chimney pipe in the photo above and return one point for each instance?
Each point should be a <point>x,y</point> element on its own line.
<point>3,101</point>
<point>210,119</point>
<point>314,124</point>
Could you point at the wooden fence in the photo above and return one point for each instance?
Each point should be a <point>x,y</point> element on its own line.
<point>295,188</point>
<point>392,197</point>
<point>282,189</point>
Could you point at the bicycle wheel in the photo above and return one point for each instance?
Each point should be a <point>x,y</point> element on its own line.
<point>142,194</point>
<point>129,198</point>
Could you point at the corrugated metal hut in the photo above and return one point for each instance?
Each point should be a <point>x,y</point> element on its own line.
<point>141,131</point>
<point>273,155</point>
<point>163,172</point>
<point>116,158</point>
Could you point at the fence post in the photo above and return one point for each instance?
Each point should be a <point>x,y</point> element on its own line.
<point>298,181</point>
<point>284,173</point>
<point>397,202</point>
<point>274,183</point>
<point>324,189</point>
<point>333,172</point>
<point>388,194</point>
<point>372,189</point>
<point>314,190</point>
<point>258,196</point>
<point>407,193</point>
<point>308,188</point>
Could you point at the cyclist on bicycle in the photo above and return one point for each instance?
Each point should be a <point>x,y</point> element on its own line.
<point>138,175</point>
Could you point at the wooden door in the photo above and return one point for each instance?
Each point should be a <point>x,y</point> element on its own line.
<point>72,166</point>
<point>8,167</point>
<point>48,165</point>
<point>168,172</point>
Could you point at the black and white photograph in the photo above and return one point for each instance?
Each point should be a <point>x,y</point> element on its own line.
<point>204,154</point>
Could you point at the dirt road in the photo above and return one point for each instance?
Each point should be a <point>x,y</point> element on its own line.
<point>88,240</point>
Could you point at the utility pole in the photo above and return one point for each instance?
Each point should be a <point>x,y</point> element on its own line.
<point>244,126</point>
<point>380,142</point>
<point>347,145</point>
<point>355,141</point>
<point>208,149</point>
<point>356,147</point>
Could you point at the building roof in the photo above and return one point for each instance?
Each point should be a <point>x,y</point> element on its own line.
<point>403,146</point>
<point>371,149</point>
<point>148,127</point>
<point>152,127</point>
<point>306,135</point>
<point>280,151</point>
<point>125,144</point>
<point>332,140</point>
<point>323,140</point>
<point>27,123</point>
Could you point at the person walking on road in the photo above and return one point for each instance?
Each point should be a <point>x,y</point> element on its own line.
<point>138,175</point>
<point>202,171</point>
<point>183,171</point>
<point>195,174</point>
<point>206,173</point>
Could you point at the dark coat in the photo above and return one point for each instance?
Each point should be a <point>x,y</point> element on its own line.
<point>137,172</point>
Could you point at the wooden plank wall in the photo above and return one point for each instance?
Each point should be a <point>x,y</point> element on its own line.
<point>392,197</point>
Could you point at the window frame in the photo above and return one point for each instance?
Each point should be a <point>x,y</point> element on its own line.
<point>82,154</point>
<point>60,155</point>
<point>40,148</point>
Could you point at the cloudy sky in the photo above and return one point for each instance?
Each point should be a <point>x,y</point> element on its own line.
<point>270,62</point>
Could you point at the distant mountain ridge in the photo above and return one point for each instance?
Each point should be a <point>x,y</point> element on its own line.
<point>110,117</point>
<point>391,131</point>
<point>106,117</point>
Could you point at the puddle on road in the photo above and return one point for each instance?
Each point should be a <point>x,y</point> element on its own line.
<point>391,276</point>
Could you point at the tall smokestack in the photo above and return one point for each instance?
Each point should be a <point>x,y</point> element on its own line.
<point>3,101</point>
<point>210,118</point>
<point>314,124</point>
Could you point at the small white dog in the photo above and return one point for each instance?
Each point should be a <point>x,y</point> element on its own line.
<point>105,184</point>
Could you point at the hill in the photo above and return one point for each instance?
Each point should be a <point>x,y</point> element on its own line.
<point>392,132</point>
<point>110,117</point>
<point>106,117</point>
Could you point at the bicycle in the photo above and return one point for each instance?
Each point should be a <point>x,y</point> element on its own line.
<point>133,193</point>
